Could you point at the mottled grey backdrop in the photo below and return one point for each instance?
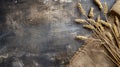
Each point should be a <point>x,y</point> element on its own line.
<point>40,33</point>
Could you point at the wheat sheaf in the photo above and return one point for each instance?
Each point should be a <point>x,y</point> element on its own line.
<point>102,49</point>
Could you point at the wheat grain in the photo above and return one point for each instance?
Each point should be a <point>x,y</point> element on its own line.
<point>99,4</point>
<point>80,20</point>
<point>115,30</point>
<point>91,13</point>
<point>105,8</point>
<point>89,27</point>
<point>117,24</point>
<point>108,34</point>
<point>100,27</point>
<point>116,21</point>
<point>81,37</point>
<point>105,23</point>
<point>92,21</point>
<point>98,18</point>
<point>81,9</point>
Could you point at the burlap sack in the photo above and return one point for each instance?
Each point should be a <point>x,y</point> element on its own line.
<point>116,7</point>
<point>90,55</point>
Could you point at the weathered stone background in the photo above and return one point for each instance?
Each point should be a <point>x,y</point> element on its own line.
<point>40,33</point>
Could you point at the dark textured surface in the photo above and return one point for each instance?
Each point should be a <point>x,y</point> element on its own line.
<point>40,33</point>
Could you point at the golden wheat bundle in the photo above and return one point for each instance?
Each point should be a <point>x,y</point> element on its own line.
<point>108,35</point>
